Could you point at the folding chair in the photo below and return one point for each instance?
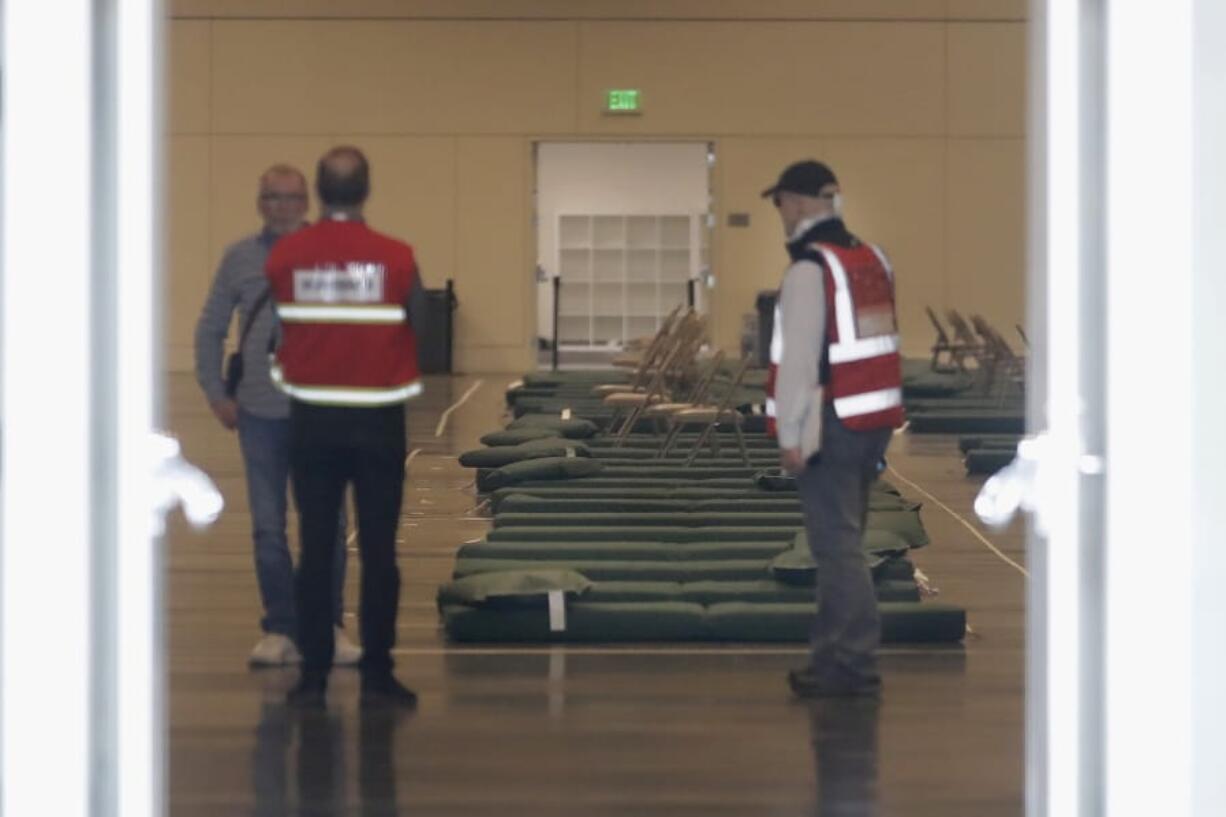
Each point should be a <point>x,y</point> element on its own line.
<point>1006,365</point>
<point>633,348</point>
<point>662,411</point>
<point>974,348</point>
<point>628,405</point>
<point>650,346</point>
<point>671,330</point>
<point>710,416</point>
<point>956,352</point>
<point>668,376</point>
<point>964,336</point>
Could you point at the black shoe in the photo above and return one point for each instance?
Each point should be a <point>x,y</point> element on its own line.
<point>309,693</point>
<point>805,683</point>
<point>384,690</point>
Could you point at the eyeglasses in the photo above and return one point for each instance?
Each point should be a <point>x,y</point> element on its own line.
<point>282,197</point>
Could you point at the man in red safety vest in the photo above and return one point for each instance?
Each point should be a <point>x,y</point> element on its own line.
<point>835,396</point>
<point>348,299</point>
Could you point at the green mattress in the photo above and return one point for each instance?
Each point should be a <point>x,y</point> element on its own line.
<point>988,461</point>
<point>571,376</point>
<point>679,500</point>
<point>601,570</point>
<point>611,622</point>
<point>550,533</point>
<point>499,456</point>
<point>763,591</point>
<point>570,497</point>
<point>573,428</point>
<point>968,422</point>
<point>989,441</point>
<point>875,542</point>
<point>906,524</point>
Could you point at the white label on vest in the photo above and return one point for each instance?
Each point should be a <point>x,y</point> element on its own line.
<point>557,611</point>
<point>874,321</point>
<point>357,283</point>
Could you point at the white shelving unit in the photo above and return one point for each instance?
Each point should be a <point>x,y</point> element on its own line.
<point>621,274</point>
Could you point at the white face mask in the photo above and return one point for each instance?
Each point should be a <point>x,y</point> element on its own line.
<point>836,203</point>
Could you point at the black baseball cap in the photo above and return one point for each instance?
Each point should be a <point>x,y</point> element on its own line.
<point>806,178</point>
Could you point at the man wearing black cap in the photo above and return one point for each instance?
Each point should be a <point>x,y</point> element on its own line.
<point>837,394</point>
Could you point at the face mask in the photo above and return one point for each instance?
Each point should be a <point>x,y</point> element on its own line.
<point>836,202</point>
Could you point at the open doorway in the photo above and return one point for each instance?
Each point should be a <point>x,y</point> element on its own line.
<point>622,235</point>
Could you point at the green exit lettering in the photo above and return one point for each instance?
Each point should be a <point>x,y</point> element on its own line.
<point>622,100</point>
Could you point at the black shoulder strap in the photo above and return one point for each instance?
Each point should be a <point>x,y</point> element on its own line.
<point>812,252</point>
<point>255,311</point>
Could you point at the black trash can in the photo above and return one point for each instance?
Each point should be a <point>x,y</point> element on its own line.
<point>766,324</point>
<point>434,339</point>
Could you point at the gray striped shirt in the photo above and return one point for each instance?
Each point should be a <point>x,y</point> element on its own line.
<point>239,283</point>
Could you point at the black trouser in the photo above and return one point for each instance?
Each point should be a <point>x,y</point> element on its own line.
<point>331,446</point>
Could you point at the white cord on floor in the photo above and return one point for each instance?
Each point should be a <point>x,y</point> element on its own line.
<point>442,421</point>
<point>967,525</point>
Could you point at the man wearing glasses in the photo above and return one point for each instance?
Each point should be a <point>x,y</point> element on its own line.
<point>260,413</point>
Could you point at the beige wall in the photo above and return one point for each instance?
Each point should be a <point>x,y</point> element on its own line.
<point>917,104</point>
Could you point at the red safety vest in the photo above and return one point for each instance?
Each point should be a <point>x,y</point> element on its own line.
<point>341,291</point>
<point>862,335</point>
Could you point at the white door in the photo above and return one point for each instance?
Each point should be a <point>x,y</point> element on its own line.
<point>1128,199</point>
<point>622,236</point>
<point>81,656</point>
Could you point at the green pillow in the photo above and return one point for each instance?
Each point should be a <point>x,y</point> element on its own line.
<point>796,566</point>
<point>515,436</point>
<point>513,588</point>
<point>904,522</point>
<point>877,541</point>
<point>775,481</point>
<point>533,449</point>
<point>545,468</point>
<point>574,428</point>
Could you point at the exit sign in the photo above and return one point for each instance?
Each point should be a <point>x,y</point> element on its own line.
<point>622,100</point>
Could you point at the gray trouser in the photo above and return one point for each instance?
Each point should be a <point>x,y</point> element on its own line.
<point>834,492</point>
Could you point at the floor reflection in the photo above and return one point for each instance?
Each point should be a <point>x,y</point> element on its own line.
<point>300,761</point>
<point>843,733</point>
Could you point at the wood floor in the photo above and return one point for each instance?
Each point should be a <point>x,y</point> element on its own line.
<point>665,730</point>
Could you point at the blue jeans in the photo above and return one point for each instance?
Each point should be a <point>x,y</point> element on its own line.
<point>265,446</point>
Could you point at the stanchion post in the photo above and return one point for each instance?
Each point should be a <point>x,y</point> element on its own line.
<point>557,300</point>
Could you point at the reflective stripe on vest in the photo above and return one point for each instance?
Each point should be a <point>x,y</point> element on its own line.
<point>847,351</point>
<point>868,403</point>
<point>341,313</point>
<point>359,396</point>
<point>776,356</point>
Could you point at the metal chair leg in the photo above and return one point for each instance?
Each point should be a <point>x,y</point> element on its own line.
<point>698,444</point>
<point>615,421</point>
<point>674,433</point>
<point>631,419</point>
<point>740,439</point>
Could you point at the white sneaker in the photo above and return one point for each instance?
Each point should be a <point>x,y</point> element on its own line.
<point>274,650</point>
<point>345,653</point>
